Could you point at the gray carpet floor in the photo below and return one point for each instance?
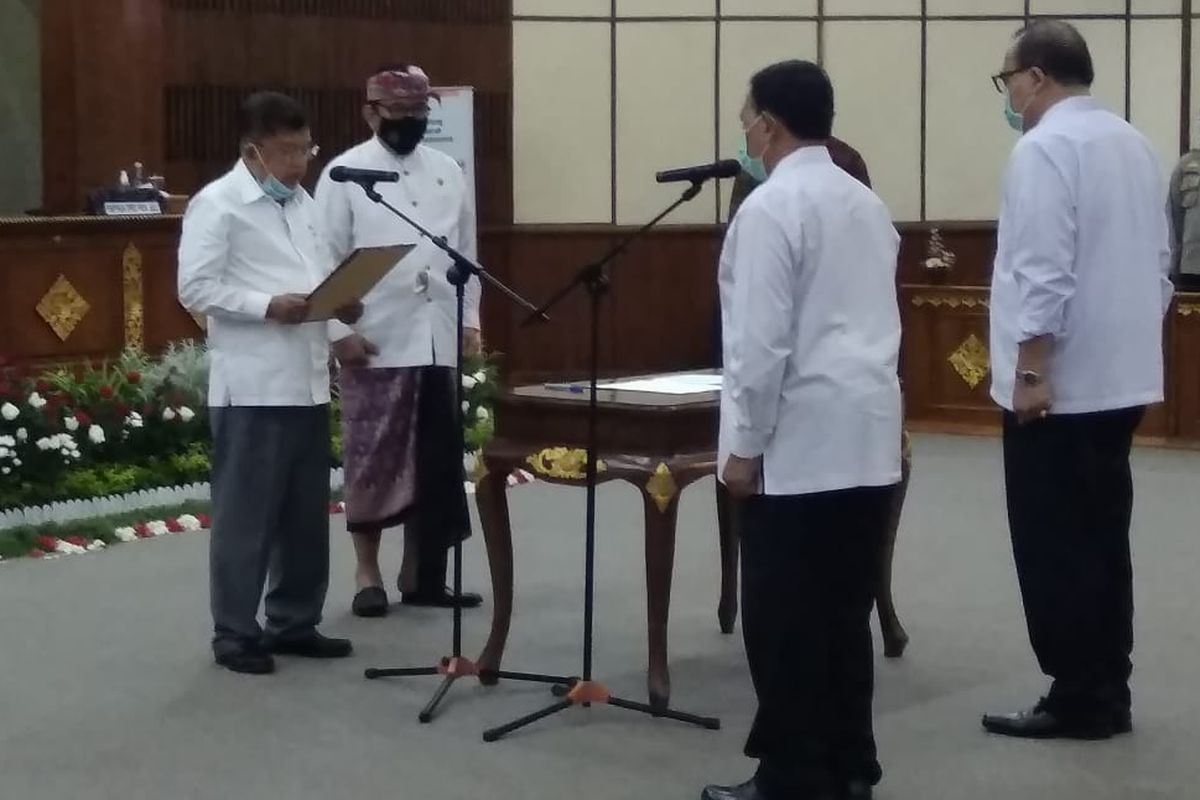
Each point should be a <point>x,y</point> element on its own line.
<point>107,689</point>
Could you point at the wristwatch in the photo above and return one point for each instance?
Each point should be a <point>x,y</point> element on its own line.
<point>1029,377</point>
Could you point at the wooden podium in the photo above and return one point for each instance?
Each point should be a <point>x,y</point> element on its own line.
<point>661,443</point>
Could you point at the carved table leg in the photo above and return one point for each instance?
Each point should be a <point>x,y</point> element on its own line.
<point>895,639</point>
<point>661,513</point>
<point>727,608</point>
<point>492,499</point>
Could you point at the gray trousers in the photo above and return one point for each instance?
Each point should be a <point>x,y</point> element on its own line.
<point>270,494</point>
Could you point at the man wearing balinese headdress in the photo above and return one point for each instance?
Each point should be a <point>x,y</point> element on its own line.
<point>400,445</point>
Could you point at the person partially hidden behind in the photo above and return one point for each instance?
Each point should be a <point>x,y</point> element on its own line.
<point>809,439</point>
<point>249,254</point>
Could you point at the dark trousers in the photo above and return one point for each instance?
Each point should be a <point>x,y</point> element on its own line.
<point>440,515</point>
<point>1070,496</point>
<point>810,565</point>
<point>270,495</point>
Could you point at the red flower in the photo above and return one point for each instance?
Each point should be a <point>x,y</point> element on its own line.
<point>173,525</point>
<point>78,541</point>
<point>205,522</point>
<point>133,376</point>
<point>83,418</point>
<point>36,553</point>
<point>42,387</point>
<point>47,543</point>
<point>106,392</point>
<point>148,409</point>
<point>142,531</point>
<point>122,409</point>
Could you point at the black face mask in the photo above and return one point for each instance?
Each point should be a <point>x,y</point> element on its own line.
<point>402,135</point>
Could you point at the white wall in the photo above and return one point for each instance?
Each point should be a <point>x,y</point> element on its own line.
<point>675,73</point>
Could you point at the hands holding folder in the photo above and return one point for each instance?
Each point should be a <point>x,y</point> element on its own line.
<point>293,309</point>
<point>340,295</point>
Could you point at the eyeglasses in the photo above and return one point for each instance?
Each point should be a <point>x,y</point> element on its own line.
<point>1000,79</point>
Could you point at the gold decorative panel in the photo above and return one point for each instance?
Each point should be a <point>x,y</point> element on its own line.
<point>562,463</point>
<point>131,276</point>
<point>970,361</point>
<point>662,487</point>
<point>949,300</point>
<point>62,307</point>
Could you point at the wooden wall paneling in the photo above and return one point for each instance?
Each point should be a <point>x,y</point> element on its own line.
<point>944,354</point>
<point>1184,378</point>
<point>322,52</point>
<point>972,243</point>
<point>665,292</point>
<point>102,94</point>
<point>540,262</point>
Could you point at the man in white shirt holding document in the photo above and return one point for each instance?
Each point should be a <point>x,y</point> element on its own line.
<point>810,439</point>
<point>249,255</point>
<point>1079,290</point>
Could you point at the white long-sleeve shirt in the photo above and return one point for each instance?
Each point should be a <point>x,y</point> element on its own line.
<point>238,249</point>
<point>1083,255</point>
<point>410,315</point>
<point>811,331</point>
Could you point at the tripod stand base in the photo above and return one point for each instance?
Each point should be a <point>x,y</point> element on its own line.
<point>452,668</point>
<point>587,693</point>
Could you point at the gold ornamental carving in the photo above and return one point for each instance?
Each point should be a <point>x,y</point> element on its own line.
<point>562,463</point>
<point>1187,309</point>
<point>662,487</point>
<point>62,307</point>
<point>949,300</point>
<point>970,361</point>
<point>131,277</point>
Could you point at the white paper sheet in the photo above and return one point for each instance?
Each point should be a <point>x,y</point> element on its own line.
<point>685,383</point>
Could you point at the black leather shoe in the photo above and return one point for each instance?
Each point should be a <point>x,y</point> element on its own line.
<point>1042,723</point>
<point>441,599</point>
<point>370,602</point>
<point>247,661</point>
<point>745,791</point>
<point>314,645</point>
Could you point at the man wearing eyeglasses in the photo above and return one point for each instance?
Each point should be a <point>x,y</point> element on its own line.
<point>249,254</point>
<point>399,416</point>
<point>1079,290</point>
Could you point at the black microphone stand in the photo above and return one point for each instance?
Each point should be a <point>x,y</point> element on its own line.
<point>455,666</point>
<point>587,691</point>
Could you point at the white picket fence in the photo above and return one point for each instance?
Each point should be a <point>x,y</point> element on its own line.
<point>70,510</point>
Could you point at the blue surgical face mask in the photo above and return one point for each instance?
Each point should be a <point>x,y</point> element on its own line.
<point>274,188</point>
<point>753,165</point>
<point>1016,120</point>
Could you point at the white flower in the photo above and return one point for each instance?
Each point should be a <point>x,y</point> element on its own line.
<point>9,411</point>
<point>189,523</point>
<point>481,414</point>
<point>466,406</point>
<point>8,441</point>
<point>186,414</point>
<point>96,434</point>
<point>71,424</point>
<point>96,545</point>
<point>469,382</point>
<point>480,377</point>
<point>157,527</point>
<point>125,534</point>
<point>43,443</point>
<point>37,402</point>
<point>168,414</point>
<point>68,549</point>
<point>16,462</point>
<point>22,434</point>
<point>4,452</point>
<point>134,420</point>
<point>5,470</point>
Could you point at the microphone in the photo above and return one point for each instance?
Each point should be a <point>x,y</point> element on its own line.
<point>365,177</point>
<point>721,169</point>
